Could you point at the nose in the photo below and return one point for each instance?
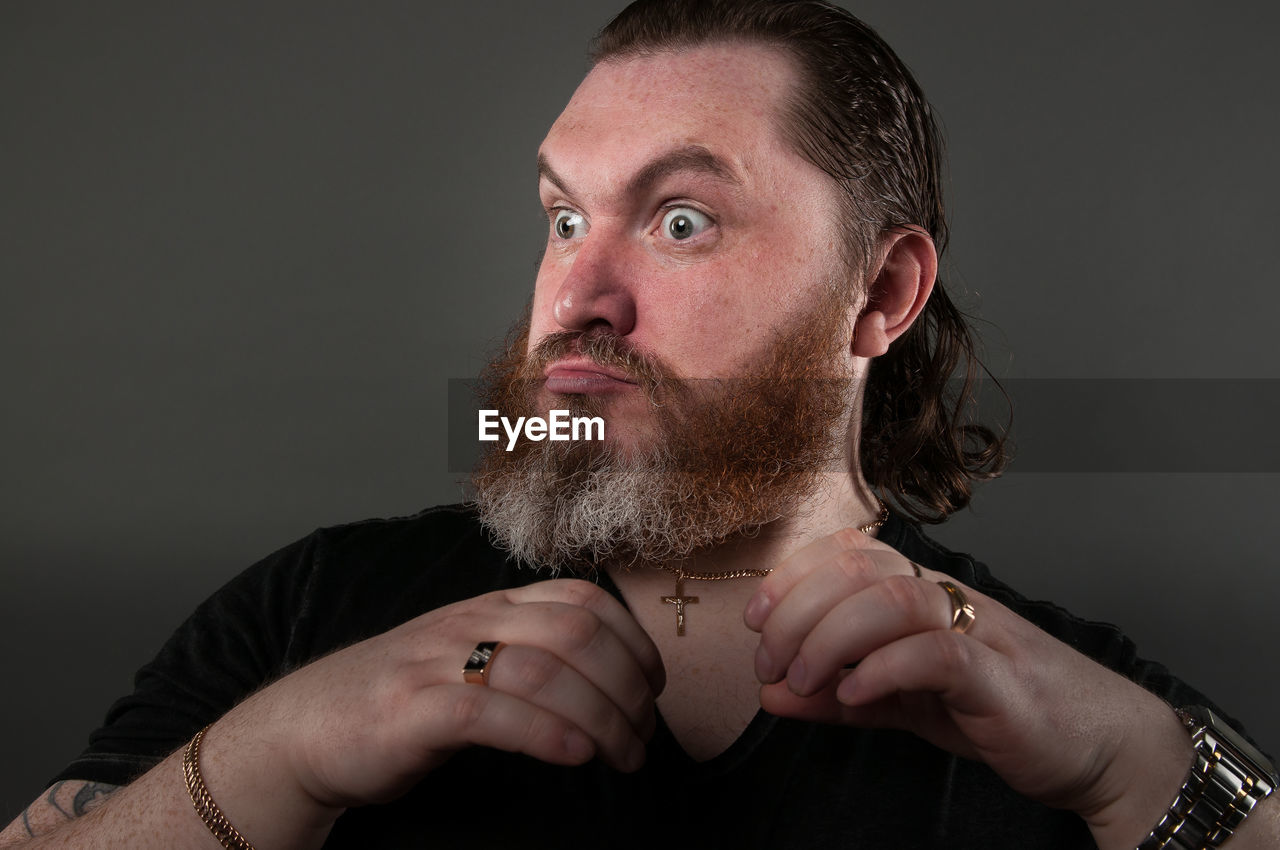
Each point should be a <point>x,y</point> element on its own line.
<point>596,294</point>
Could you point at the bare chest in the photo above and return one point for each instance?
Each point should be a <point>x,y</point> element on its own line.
<point>712,692</point>
<point>707,704</point>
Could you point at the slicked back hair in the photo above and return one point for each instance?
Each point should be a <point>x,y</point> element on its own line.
<point>858,115</point>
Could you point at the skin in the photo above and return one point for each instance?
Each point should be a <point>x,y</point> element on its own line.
<point>633,149</point>
<point>1056,726</point>
<point>581,676</point>
<point>621,269</point>
<point>365,724</point>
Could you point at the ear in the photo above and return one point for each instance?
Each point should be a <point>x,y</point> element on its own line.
<point>898,292</point>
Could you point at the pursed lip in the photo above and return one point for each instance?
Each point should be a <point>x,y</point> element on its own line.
<point>580,376</point>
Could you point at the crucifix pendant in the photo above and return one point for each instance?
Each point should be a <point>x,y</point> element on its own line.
<point>679,600</point>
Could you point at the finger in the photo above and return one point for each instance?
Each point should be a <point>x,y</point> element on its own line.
<point>965,673</point>
<point>583,641</point>
<point>601,603</point>
<point>884,612</point>
<point>919,713</point>
<point>795,567</point>
<point>822,707</point>
<point>543,679</point>
<point>468,714</point>
<point>845,573</point>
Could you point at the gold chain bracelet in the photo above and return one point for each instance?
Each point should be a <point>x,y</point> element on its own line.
<point>206,808</point>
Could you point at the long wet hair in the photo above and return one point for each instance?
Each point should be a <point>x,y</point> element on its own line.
<point>859,115</point>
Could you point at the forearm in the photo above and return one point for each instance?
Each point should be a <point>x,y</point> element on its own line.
<point>155,811</point>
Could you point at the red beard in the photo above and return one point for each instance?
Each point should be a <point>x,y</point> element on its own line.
<point>715,459</point>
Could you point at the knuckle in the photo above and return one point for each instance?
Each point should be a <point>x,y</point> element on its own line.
<point>906,594</point>
<point>878,665</point>
<point>544,731</point>
<point>856,565</point>
<point>579,629</point>
<point>606,718</point>
<point>533,670</point>
<point>952,649</point>
<point>469,707</point>
<point>578,591</point>
<point>847,537</point>
<point>638,699</point>
<point>454,622</point>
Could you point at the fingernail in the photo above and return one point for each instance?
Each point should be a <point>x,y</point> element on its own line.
<point>764,666</point>
<point>578,745</point>
<point>796,676</point>
<point>846,690</point>
<point>756,612</point>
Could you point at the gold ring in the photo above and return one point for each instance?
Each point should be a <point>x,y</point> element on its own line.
<point>476,670</point>
<point>962,613</point>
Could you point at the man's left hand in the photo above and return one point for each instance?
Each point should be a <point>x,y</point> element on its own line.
<point>1055,725</point>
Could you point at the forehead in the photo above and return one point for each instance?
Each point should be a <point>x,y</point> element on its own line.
<point>725,97</point>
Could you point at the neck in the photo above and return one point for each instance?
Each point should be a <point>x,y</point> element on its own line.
<point>712,691</point>
<point>839,500</point>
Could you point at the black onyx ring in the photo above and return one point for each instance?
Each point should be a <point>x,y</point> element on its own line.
<point>476,670</point>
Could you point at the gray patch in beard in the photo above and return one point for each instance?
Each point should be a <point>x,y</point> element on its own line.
<point>617,510</point>
<point>727,461</point>
<point>730,456</point>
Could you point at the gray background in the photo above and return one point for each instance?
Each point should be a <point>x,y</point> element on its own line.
<point>243,247</point>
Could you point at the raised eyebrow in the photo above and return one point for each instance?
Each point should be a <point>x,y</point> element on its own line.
<point>695,158</point>
<point>546,172</point>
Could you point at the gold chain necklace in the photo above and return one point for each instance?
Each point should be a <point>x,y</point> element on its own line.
<point>680,600</point>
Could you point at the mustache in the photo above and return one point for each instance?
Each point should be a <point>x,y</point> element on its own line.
<point>604,349</point>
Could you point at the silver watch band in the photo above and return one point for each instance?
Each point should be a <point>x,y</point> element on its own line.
<point>1226,781</point>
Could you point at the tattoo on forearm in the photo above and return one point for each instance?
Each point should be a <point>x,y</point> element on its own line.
<point>68,799</point>
<point>52,798</point>
<point>90,796</point>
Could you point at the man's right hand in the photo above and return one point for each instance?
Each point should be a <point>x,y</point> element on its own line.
<point>578,679</point>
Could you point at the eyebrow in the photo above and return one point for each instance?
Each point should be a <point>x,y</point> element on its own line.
<point>693,158</point>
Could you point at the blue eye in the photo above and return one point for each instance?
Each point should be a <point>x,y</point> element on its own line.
<point>568,224</point>
<point>684,223</point>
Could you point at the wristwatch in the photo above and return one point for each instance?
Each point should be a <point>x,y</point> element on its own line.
<point>1226,781</point>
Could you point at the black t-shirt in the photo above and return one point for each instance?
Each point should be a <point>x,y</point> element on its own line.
<point>784,783</point>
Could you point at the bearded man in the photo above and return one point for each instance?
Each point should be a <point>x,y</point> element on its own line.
<point>744,220</point>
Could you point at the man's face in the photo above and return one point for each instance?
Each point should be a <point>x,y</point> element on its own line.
<point>692,293</point>
<point>680,222</point>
